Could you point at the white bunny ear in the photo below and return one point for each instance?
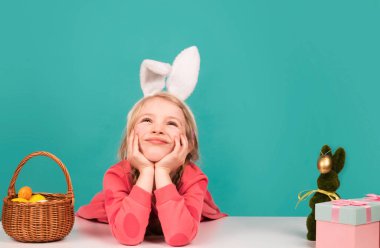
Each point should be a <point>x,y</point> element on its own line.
<point>152,76</point>
<point>184,73</point>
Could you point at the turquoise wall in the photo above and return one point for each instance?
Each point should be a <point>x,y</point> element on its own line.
<point>278,80</point>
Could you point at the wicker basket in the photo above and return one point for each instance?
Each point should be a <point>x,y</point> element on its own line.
<point>41,221</point>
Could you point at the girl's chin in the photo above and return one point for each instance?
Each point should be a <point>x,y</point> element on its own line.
<point>155,153</point>
<point>154,156</point>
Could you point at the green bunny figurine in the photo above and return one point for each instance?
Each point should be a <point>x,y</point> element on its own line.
<point>329,165</point>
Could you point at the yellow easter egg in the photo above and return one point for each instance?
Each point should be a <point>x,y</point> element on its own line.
<point>19,200</point>
<point>25,192</point>
<point>37,198</point>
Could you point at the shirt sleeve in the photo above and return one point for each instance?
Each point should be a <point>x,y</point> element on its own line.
<point>94,210</point>
<point>127,212</point>
<point>180,214</point>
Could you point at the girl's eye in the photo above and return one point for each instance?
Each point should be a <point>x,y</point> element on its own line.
<point>146,119</point>
<point>172,123</point>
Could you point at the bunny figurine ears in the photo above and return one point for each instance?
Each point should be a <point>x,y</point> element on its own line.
<point>180,78</point>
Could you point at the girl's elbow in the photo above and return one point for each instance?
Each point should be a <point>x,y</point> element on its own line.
<point>133,242</point>
<point>126,239</point>
<point>181,238</point>
<point>177,244</point>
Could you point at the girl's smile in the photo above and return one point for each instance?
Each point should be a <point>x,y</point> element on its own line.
<point>157,140</point>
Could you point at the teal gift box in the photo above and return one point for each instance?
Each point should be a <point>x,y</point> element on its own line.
<point>355,214</point>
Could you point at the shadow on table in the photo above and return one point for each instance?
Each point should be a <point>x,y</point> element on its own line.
<point>100,231</point>
<point>7,240</point>
<point>206,233</point>
<point>94,229</point>
<point>154,239</point>
<point>298,230</point>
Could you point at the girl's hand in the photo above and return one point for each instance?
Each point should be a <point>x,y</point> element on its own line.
<point>135,157</point>
<point>176,158</point>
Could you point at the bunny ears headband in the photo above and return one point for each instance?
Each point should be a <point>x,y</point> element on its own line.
<point>180,78</point>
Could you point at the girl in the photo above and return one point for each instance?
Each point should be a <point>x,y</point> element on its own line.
<point>156,188</point>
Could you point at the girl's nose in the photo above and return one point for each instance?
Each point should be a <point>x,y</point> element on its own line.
<point>157,128</point>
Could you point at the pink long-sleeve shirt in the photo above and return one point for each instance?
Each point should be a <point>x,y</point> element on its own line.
<point>133,212</point>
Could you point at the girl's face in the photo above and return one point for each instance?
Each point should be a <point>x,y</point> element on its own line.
<point>158,123</point>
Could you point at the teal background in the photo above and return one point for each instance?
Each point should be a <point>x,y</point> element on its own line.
<point>278,80</point>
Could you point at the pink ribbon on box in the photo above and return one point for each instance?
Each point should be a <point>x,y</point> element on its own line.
<point>337,204</point>
<point>372,197</point>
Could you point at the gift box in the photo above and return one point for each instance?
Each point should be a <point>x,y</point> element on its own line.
<point>348,224</point>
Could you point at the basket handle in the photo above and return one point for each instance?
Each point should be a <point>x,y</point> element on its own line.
<point>11,189</point>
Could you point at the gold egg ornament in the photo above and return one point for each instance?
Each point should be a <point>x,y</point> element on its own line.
<point>324,164</point>
<point>25,192</point>
<point>37,198</point>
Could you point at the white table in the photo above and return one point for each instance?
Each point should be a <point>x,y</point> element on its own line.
<point>232,232</point>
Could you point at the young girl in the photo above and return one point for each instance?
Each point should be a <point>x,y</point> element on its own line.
<point>156,188</point>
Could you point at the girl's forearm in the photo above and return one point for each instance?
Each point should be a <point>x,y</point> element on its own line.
<point>145,180</point>
<point>162,177</point>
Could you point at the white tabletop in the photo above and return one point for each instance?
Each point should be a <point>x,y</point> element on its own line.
<point>261,232</point>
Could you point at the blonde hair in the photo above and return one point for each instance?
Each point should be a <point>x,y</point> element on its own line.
<point>190,129</point>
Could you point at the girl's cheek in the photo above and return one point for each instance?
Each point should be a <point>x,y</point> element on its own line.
<point>138,129</point>
<point>174,135</point>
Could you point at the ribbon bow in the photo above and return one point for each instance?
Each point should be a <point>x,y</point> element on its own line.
<point>372,197</point>
<point>306,193</point>
<point>341,203</point>
<point>348,203</point>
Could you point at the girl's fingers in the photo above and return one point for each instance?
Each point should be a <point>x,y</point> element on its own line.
<point>135,144</point>
<point>130,144</point>
<point>177,145</point>
<point>137,150</point>
<point>185,141</point>
<point>130,140</point>
<point>185,145</point>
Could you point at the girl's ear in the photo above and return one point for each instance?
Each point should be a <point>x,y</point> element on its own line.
<point>325,150</point>
<point>338,159</point>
